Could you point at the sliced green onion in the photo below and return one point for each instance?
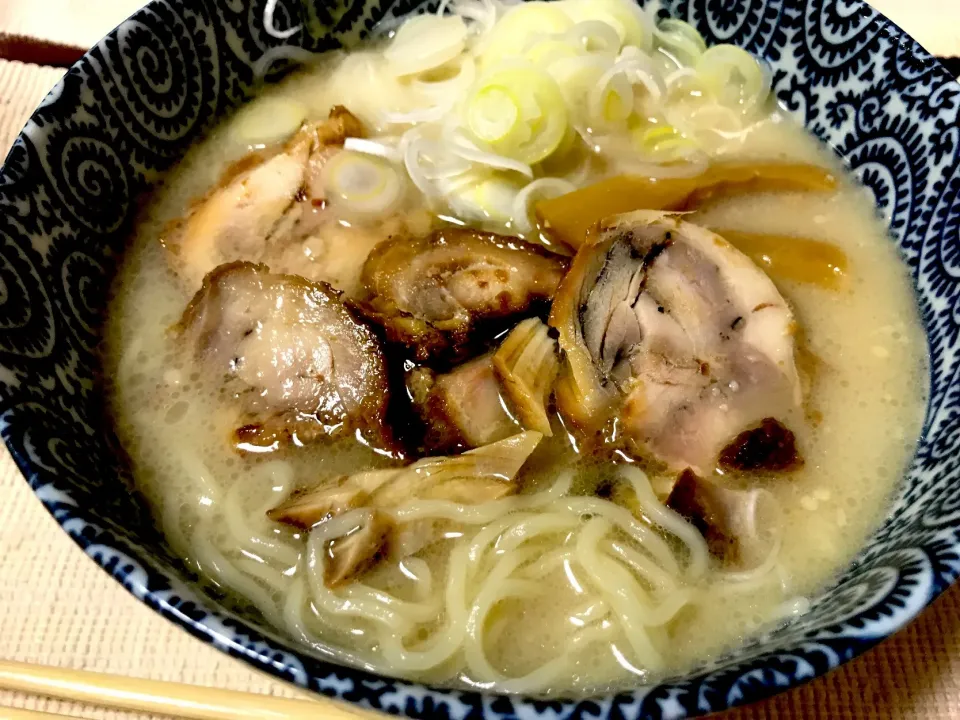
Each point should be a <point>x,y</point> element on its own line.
<point>361,183</point>
<point>681,40</point>
<point>382,147</point>
<point>268,121</point>
<point>575,77</point>
<point>663,143</point>
<point>664,62</point>
<point>518,112</point>
<point>481,196</point>
<point>734,76</point>
<point>450,86</point>
<point>518,26</point>
<point>624,16</point>
<point>493,114</point>
<point>612,99</point>
<point>546,51</point>
<point>425,42</point>
<point>595,36</point>
<point>630,52</point>
<point>461,146</point>
<point>540,189</point>
<point>683,81</point>
<point>427,161</point>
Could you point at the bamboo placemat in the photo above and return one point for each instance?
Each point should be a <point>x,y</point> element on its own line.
<point>59,608</point>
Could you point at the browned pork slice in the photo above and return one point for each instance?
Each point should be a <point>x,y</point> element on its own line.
<point>296,360</point>
<point>271,208</point>
<point>463,408</point>
<point>432,293</point>
<point>675,334</point>
<point>491,397</point>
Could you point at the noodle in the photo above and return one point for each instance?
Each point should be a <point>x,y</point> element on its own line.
<point>626,571</point>
<point>647,538</point>
<point>625,577</point>
<point>669,520</point>
<point>221,570</point>
<point>615,585</point>
<point>238,522</point>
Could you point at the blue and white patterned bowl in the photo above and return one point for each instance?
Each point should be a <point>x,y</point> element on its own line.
<point>135,102</point>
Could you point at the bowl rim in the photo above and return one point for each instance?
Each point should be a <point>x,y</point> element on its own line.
<point>274,654</point>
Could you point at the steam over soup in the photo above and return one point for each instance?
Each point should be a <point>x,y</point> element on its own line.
<point>531,348</point>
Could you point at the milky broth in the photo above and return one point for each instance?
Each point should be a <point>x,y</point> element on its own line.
<point>862,420</point>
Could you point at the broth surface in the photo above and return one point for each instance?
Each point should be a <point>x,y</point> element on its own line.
<point>863,415</point>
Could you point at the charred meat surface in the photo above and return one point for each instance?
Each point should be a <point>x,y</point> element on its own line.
<point>432,293</point>
<point>674,334</point>
<point>297,361</point>
<point>238,220</point>
<point>771,446</point>
<point>271,208</point>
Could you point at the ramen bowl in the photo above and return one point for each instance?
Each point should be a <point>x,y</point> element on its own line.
<point>71,188</point>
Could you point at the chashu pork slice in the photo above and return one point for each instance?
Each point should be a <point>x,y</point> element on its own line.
<point>677,336</point>
<point>491,397</point>
<point>271,208</point>
<point>298,363</point>
<point>434,293</point>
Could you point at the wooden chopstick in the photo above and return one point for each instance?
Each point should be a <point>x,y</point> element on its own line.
<point>8,713</point>
<point>154,696</point>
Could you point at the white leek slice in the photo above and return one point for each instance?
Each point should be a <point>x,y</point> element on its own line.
<point>427,162</point>
<point>425,42</point>
<point>540,189</point>
<point>576,77</point>
<point>460,146</point>
<point>480,196</point>
<point>384,147</point>
<point>270,28</point>
<point>545,51</point>
<point>625,16</point>
<point>734,76</point>
<point>450,87</point>
<point>518,112</point>
<point>268,121</point>
<point>362,184</point>
<point>684,81</point>
<point>681,40</point>
<point>518,26</point>
<point>595,36</point>
<point>419,115</point>
<point>662,143</point>
<point>612,100</point>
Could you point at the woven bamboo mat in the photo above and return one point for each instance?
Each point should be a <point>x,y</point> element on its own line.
<point>58,608</point>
